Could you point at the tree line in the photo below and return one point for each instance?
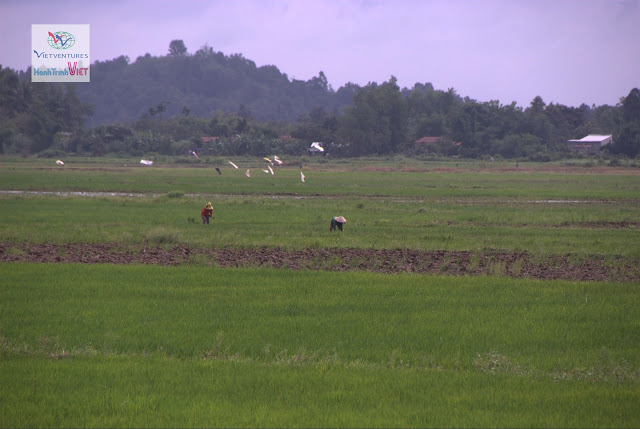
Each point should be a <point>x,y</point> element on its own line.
<point>225,105</point>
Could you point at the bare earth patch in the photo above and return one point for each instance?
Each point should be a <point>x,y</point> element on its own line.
<point>390,261</point>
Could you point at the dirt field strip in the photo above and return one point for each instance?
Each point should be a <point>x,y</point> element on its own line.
<point>519,264</point>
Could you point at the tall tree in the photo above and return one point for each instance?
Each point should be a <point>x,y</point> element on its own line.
<point>631,106</point>
<point>537,105</point>
<point>628,142</point>
<point>376,124</point>
<point>31,114</point>
<point>177,48</point>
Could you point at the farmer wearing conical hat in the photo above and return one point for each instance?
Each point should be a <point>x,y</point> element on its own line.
<point>206,213</point>
<point>337,222</point>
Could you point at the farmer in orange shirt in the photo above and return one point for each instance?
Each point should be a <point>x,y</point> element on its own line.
<point>206,213</point>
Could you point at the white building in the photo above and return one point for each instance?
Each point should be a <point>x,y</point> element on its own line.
<point>589,144</point>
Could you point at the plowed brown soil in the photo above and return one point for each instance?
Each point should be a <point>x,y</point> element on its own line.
<point>490,262</point>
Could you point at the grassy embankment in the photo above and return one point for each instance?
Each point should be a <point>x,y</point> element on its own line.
<point>195,346</point>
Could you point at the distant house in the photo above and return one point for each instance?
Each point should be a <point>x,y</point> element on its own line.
<point>427,140</point>
<point>434,140</point>
<point>207,139</point>
<point>63,136</point>
<point>589,144</point>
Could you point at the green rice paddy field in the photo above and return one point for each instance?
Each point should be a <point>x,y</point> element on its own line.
<point>196,345</point>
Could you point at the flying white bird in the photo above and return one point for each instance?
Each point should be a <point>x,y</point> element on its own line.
<point>145,162</point>
<point>301,176</point>
<point>269,167</point>
<point>276,159</point>
<point>233,164</point>
<point>193,152</point>
<point>248,174</point>
<point>59,162</point>
<point>266,171</point>
<point>267,159</point>
<point>317,146</point>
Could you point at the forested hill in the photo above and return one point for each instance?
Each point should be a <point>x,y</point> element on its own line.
<point>201,83</point>
<point>166,105</point>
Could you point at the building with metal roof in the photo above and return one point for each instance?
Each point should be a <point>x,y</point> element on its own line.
<point>590,144</point>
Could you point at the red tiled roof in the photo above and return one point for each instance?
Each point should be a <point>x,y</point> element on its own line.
<point>428,140</point>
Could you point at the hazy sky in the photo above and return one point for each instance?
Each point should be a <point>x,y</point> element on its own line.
<point>566,51</point>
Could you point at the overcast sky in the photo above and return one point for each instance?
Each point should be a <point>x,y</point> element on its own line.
<point>566,51</point>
